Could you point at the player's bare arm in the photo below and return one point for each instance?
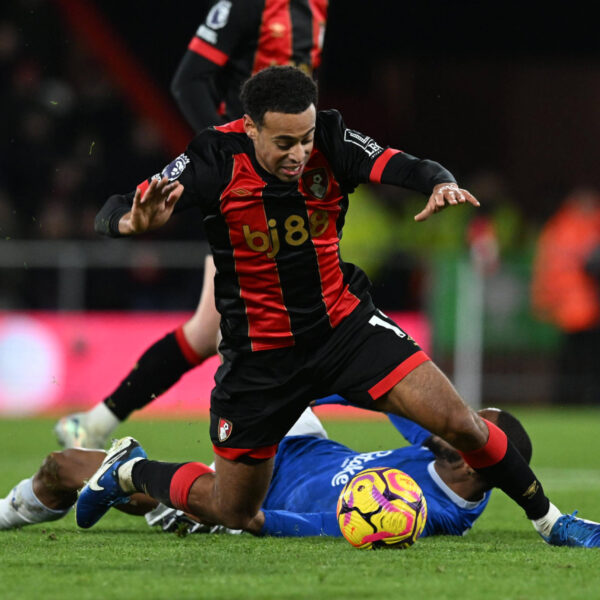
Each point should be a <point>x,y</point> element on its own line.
<point>443,195</point>
<point>152,209</point>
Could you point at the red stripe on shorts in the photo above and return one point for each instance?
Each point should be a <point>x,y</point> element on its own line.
<point>236,453</point>
<point>399,373</point>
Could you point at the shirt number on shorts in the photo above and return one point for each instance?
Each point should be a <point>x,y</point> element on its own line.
<point>378,321</point>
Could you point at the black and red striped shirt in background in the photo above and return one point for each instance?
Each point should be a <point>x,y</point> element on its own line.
<point>280,277</point>
<point>237,39</point>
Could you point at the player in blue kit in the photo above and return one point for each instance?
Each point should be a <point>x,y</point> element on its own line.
<point>310,471</point>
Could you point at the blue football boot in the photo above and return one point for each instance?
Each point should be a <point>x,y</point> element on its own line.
<point>571,531</point>
<point>103,490</point>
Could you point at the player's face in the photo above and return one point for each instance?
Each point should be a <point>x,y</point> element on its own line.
<point>283,142</point>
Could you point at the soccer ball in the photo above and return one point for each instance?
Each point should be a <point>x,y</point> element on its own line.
<point>381,507</point>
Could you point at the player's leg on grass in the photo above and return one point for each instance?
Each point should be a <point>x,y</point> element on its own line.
<point>233,495</point>
<point>427,397</point>
<point>158,369</point>
<point>230,495</point>
<point>51,492</point>
<point>308,424</point>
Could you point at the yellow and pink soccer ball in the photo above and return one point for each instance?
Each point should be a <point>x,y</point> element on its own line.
<point>382,507</point>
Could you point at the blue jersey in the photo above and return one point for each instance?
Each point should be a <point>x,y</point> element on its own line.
<point>310,473</point>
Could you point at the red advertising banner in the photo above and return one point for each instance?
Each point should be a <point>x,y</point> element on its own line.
<point>60,362</point>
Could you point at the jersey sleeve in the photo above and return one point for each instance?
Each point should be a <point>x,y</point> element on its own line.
<point>358,158</point>
<point>413,433</point>
<point>225,28</point>
<point>200,169</point>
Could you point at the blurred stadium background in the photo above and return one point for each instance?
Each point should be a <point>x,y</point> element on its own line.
<point>507,97</point>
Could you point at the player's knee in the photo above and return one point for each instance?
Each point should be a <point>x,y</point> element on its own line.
<point>237,519</point>
<point>465,430</point>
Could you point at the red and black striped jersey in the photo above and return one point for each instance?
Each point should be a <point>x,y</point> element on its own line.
<point>280,276</point>
<point>237,39</point>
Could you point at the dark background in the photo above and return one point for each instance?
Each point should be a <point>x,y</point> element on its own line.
<point>502,87</point>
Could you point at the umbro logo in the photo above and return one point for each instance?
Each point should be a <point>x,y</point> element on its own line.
<point>241,192</point>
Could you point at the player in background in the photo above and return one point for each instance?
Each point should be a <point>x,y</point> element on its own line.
<point>310,472</point>
<point>297,322</point>
<point>236,39</point>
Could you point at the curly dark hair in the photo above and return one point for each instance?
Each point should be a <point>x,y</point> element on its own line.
<point>278,89</point>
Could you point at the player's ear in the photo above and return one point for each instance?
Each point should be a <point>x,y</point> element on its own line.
<point>250,127</point>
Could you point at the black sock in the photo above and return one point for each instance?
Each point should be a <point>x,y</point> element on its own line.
<point>515,478</point>
<point>502,465</point>
<point>153,478</point>
<point>160,367</point>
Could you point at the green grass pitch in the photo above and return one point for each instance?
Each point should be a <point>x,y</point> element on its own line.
<point>122,558</point>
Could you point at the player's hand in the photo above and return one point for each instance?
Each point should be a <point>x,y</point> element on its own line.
<point>154,208</point>
<point>445,194</point>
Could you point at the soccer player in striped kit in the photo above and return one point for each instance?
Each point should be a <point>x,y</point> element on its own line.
<point>298,322</point>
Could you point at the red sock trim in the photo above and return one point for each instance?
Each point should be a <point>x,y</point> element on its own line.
<point>492,452</point>
<point>236,453</point>
<point>399,373</point>
<point>182,482</point>
<point>188,352</point>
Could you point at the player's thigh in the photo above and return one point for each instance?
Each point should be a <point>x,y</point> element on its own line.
<point>426,396</point>
<point>365,357</point>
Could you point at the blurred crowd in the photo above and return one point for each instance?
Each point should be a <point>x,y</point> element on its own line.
<point>69,140</point>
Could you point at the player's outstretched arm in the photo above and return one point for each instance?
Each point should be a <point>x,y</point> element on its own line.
<point>443,195</point>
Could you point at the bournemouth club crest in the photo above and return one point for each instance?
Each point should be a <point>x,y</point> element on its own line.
<point>316,182</point>
<point>225,429</point>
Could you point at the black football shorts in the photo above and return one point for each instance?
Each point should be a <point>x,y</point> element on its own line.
<point>259,395</point>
